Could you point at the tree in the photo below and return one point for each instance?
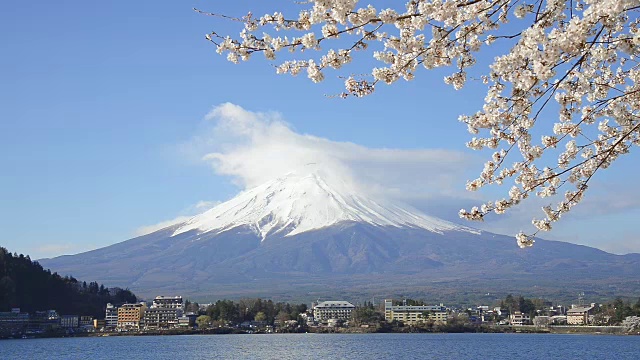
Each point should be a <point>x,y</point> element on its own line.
<point>203,321</point>
<point>622,310</point>
<point>511,304</point>
<point>224,311</point>
<point>526,306</point>
<point>260,316</point>
<point>25,284</point>
<point>631,323</point>
<point>574,61</point>
<point>365,315</point>
<point>282,317</point>
<point>191,307</point>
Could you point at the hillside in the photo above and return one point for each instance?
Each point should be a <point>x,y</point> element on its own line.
<point>27,285</point>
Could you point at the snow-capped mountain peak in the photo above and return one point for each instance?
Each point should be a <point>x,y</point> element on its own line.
<point>302,201</point>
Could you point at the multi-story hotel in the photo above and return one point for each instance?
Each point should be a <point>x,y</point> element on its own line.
<point>161,317</point>
<point>340,310</point>
<point>111,316</point>
<point>413,314</point>
<point>164,312</point>
<point>174,302</point>
<point>130,316</point>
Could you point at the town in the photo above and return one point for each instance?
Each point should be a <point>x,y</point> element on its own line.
<point>172,314</point>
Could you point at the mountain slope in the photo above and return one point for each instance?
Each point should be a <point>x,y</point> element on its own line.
<point>308,235</point>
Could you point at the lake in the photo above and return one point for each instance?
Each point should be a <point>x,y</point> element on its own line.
<point>328,346</point>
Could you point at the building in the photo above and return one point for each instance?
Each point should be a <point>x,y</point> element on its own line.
<point>580,315</point>
<point>42,321</point>
<point>164,312</point>
<point>99,324</point>
<point>13,322</point>
<point>174,302</point>
<point>130,316</point>
<point>111,316</point>
<point>187,320</point>
<point>69,321</point>
<point>518,318</point>
<point>86,321</point>
<point>161,317</point>
<point>414,314</point>
<point>339,310</point>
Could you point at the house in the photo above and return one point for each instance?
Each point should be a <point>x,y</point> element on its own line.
<point>518,318</point>
<point>187,320</point>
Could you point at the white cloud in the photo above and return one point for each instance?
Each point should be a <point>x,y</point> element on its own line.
<point>623,245</point>
<point>206,205</point>
<point>188,213</point>
<point>148,229</point>
<point>57,249</point>
<point>253,148</point>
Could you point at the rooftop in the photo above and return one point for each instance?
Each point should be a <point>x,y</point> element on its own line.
<point>335,304</point>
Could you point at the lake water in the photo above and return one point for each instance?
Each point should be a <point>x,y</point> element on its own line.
<point>329,346</point>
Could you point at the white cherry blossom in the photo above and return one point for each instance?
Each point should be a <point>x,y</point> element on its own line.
<point>570,73</point>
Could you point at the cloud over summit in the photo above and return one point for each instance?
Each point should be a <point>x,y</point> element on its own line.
<point>254,147</point>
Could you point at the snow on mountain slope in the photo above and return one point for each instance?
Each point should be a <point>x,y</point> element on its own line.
<point>307,200</point>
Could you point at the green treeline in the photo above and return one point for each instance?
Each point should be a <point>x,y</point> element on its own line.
<point>228,311</point>
<point>25,284</point>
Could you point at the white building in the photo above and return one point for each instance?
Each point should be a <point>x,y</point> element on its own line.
<point>518,318</point>
<point>164,312</point>
<point>111,316</point>
<point>339,310</point>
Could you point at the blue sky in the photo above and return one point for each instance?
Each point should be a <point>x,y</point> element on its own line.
<point>103,127</point>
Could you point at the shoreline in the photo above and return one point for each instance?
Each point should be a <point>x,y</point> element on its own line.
<point>492,329</point>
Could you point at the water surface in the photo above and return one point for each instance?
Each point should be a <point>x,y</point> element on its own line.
<point>328,346</point>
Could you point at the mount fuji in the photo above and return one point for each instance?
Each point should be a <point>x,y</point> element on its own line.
<point>306,201</point>
<point>311,234</point>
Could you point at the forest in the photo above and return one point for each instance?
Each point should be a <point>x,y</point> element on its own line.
<point>25,284</point>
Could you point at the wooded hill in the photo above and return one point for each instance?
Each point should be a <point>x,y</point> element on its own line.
<point>27,285</point>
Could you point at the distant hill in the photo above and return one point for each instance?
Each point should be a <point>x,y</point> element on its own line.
<point>25,284</point>
<point>307,235</point>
